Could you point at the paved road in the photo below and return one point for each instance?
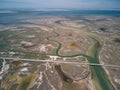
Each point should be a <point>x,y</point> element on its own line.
<point>52,61</point>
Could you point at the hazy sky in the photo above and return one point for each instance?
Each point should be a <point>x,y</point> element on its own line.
<point>80,4</point>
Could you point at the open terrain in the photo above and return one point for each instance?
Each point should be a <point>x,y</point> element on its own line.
<point>60,52</point>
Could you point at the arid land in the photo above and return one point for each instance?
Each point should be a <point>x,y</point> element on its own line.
<point>60,40</point>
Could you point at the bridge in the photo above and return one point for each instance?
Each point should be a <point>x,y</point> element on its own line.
<point>55,61</point>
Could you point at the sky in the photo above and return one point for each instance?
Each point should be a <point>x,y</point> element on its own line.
<point>68,4</point>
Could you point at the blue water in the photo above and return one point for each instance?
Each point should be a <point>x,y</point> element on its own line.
<point>100,12</point>
<point>13,18</point>
<point>74,12</point>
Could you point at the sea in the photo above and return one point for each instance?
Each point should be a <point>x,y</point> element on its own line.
<point>12,16</point>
